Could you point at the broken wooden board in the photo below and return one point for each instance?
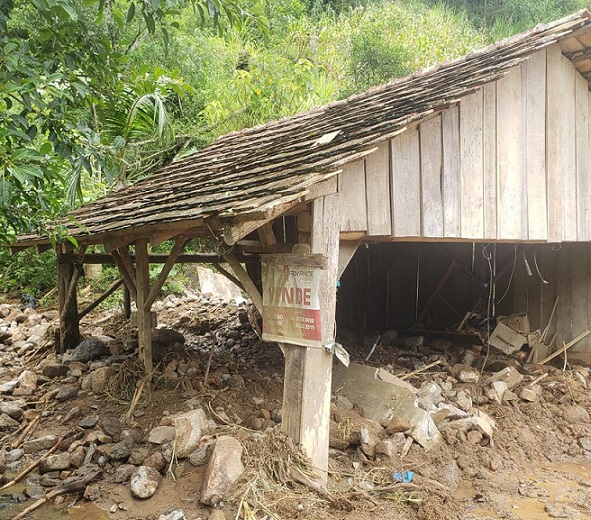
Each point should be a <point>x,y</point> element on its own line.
<point>506,339</point>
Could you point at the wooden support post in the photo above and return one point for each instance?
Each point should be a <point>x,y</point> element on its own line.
<point>308,370</point>
<point>144,320</point>
<point>69,333</point>
<point>126,302</point>
<point>246,281</point>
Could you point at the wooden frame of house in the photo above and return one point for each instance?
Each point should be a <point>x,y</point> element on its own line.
<point>491,148</point>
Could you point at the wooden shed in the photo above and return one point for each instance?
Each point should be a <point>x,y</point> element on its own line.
<point>464,181</point>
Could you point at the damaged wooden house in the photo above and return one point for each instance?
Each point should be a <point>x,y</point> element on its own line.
<point>462,189</point>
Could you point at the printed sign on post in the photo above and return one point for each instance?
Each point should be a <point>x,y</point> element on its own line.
<point>291,299</point>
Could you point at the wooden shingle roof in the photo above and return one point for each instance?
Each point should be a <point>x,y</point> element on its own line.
<point>245,174</point>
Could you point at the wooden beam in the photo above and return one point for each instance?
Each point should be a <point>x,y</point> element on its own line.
<point>179,244</point>
<point>191,258</point>
<point>246,281</point>
<point>229,276</point>
<point>127,260</point>
<point>69,327</point>
<point>346,252</point>
<point>308,371</point>
<point>267,235</point>
<point>112,288</point>
<point>127,278</point>
<point>144,320</point>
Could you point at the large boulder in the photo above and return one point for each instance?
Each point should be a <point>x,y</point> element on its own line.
<point>223,470</point>
<point>87,350</point>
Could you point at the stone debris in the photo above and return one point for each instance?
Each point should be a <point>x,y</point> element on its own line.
<point>224,468</point>
<point>144,482</point>
<point>189,428</point>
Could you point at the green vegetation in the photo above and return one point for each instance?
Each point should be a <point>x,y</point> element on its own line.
<point>97,94</point>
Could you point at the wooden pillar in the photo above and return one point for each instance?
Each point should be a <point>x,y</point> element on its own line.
<point>144,319</point>
<point>126,302</point>
<point>67,280</point>
<point>308,370</point>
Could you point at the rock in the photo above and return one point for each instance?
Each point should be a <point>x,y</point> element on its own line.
<point>256,423</point>
<point>162,434</point>
<point>138,455</point>
<point>89,422</point>
<point>73,413</point>
<point>389,338</point>
<point>199,456</point>
<point>223,470</point>
<point>100,378</point>
<point>144,482</point>
<point>465,373</point>
<point>342,402</point>
<point>111,425</point>
<point>65,393</point>
<point>8,387</point>
<point>13,455</point>
<point>217,514</point>
<point>387,447</point>
<point>463,401</point>
<point>123,473</point>
<point>575,414</point>
<point>27,381</point>
<point>585,443</point>
<point>53,370</point>
<point>509,375</point>
<point>11,408</point>
<point>156,461</point>
<point>474,437</point>
<point>429,396</point>
<point>509,396</point>
<point>7,422</point>
<point>118,451</point>
<point>40,444</point>
<point>178,514</point>
<point>235,381</point>
<point>87,350</point>
<point>34,491</point>
<point>77,457</point>
<point>558,510</point>
<point>528,394</point>
<point>189,428</point>
<point>55,462</point>
<point>369,440</point>
<point>165,340</point>
<point>499,388</point>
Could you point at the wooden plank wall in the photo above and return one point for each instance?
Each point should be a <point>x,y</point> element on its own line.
<point>509,162</point>
<point>567,270</point>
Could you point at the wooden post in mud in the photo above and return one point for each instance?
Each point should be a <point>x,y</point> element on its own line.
<point>144,318</point>
<point>67,280</point>
<point>308,370</point>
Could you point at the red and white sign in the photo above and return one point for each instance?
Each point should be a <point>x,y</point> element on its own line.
<point>291,302</point>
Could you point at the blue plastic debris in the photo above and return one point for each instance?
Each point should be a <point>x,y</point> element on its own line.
<point>404,477</point>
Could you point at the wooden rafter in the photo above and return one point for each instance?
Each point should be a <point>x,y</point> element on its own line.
<point>179,244</point>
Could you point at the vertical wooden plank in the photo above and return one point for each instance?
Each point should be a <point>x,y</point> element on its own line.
<point>308,371</point>
<point>451,172</point>
<point>353,197</point>
<point>406,185</point>
<point>582,159</point>
<point>377,181</point>
<point>564,289</point>
<point>568,150</point>
<point>554,102</point>
<point>431,169</point>
<point>490,160</point>
<point>535,100</point>
<point>580,273</point>
<point>472,166</point>
<point>69,326</point>
<point>547,262</point>
<point>510,156</point>
<point>144,321</point>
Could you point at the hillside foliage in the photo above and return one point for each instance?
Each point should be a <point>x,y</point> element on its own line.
<point>96,94</point>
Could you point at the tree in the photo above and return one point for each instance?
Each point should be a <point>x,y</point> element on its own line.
<point>63,70</point>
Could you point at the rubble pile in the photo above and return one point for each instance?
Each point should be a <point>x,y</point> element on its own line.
<point>447,429</point>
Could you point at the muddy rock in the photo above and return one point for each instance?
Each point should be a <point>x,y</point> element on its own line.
<point>156,460</point>
<point>144,482</point>
<point>217,514</point>
<point>88,422</point>
<point>138,455</point>
<point>118,451</point>
<point>12,409</point>
<point>77,456</point>
<point>40,443</point>
<point>65,393</point>
<point>397,424</point>
<point>53,370</point>
<point>189,428</point>
<point>100,378</point>
<point>178,514</point>
<point>162,434</point>
<point>369,439</point>
<point>585,443</point>
<point>509,375</point>
<point>87,350</point>
<point>199,456</point>
<point>7,422</point>
<point>123,473</point>
<point>27,383</point>
<point>575,414</point>
<point>55,462</point>
<point>223,470</point>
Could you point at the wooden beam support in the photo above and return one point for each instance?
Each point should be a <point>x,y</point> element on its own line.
<point>179,244</point>
<point>69,327</point>
<point>112,288</point>
<point>308,371</point>
<point>246,281</point>
<point>192,258</point>
<point>229,276</point>
<point>127,260</point>
<point>267,235</point>
<point>144,319</point>
<point>127,278</point>
<point>346,252</point>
